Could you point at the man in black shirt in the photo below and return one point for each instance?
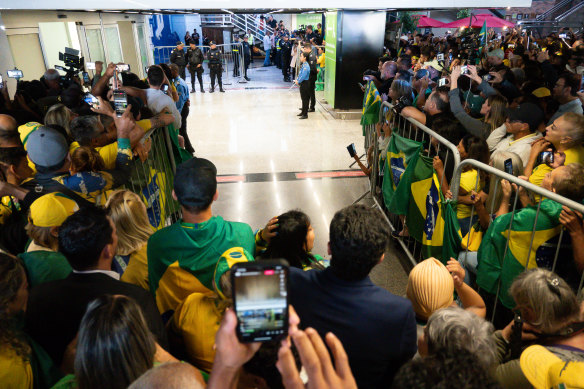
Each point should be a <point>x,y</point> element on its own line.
<point>307,48</point>
<point>178,58</point>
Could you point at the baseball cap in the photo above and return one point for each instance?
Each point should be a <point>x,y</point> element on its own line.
<point>229,258</point>
<point>51,210</point>
<point>179,43</point>
<point>541,92</point>
<point>211,43</point>
<point>195,182</point>
<point>496,53</point>
<point>545,370</point>
<point>46,147</point>
<point>527,113</point>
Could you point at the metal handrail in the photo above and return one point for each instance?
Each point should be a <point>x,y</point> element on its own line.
<point>518,181</point>
<point>553,9</point>
<point>570,11</point>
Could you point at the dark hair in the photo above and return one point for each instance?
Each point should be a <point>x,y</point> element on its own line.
<point>155,75</point>
<point>12,276</point>
<point>307,45</point>
<point>449,128</point>
<point>289,243</point>
<point>115,346</point>
<point>571,81</point>
<point>406,60</point>
<point>166,70</point>
<point>85,128</point>
<point>83,236</point>
<point>305,55</point>
<point>11,156</point>
<point>441,104</point>
<point>358,238</point>
<point>10,136</point>
<point>476,148</point>
<point>87,159</point>
<point>445,369</point>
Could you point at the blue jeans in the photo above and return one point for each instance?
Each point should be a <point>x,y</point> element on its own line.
<point>469,261</point>
<point>267,60</point>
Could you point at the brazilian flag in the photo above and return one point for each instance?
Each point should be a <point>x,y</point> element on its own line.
<point>497,265</point>
<point>483,34</point>
<point>401,153</point>
<point>430,219</point>
<point>371,105</point>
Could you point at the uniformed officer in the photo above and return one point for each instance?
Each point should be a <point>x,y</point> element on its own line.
<point>178,58</point>
<point>195,65</point>
<point>251,42</point>
<point>312,57</point>
<point>286,50</point>
<point>235,50</point>
<point>215,68</point>
<point>278,58</point>
<point>246,56</point>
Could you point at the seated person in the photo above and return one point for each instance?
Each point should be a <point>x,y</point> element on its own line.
<point>42,258</point>
<point>518,132</point>
<point>191,331</point>
<point>182,257</point>
<point>88,240</point>
<point>293,242</point>
<point>383,336</point>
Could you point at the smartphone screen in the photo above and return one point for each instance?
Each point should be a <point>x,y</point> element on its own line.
<point>15,73</point>
<point>563,36</point>
<point>442,82</point>
<point>91,100</point>
<point>90,65</point>
<point>123,67</point>
<point>85,77</point>
<point>351,149</point>
<point>164,88</point>
<point>260,299</point>
<point>440,57</point>
<point>1,80</point>
<point>120,102</point>
<point>464,69</point>
<point>509,166</point>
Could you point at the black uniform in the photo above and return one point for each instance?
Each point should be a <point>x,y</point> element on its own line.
<point>196,38</point>
<point>194,59</point>
<point>235,50</point>
<point>215,68</point>
<point>246,58</point>
<point>178,58</point>
<point>312,57</point>
<point>286,50</point>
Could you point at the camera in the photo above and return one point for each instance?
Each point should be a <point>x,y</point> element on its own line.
<point>74,65</point>
<point>400,104</point>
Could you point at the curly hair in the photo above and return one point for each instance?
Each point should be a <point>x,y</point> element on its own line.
<point>12,276</point>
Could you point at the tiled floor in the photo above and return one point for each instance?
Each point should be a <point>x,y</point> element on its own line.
<point>253,128</point>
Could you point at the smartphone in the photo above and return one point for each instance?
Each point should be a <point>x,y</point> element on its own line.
<point>440,57</point>
<point>120,102</point>
<point>450,57</point>
<point>352,150</point>
<point>464,69</point>
<point>1,80</point>
<point>124,67</point>
<point>260,300</point>
<point>14,73</point>
<point>91,100</point>
<point>511,46</point>
<point>488,77</point>
<point>563,36</point>
<point>546,157</point>
<point>164,88</point>
<point>509,166</point>
<point>86,77</point>
<point>90,65</point>
<point>442,82</point>
<point>361,85</point>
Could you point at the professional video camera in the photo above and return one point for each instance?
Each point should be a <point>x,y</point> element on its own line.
<point>74,65</point>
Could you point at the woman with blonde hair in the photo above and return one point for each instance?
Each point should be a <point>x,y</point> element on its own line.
<point>60,115</point>
<point>128,214</point>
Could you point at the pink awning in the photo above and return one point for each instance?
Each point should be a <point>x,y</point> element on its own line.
<point>478,20</point>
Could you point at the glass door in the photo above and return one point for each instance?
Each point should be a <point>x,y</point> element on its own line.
<point>113,44</point>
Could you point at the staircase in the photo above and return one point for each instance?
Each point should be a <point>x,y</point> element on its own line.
<point>240,23</point>
<point>565,13</point>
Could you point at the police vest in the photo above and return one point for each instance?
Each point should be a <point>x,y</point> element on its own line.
<point>278,44</point>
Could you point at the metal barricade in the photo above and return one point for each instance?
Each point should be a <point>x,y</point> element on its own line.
<point>497,174</point>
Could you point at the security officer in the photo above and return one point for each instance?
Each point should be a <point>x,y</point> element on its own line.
<point>195,65</point>
<point>286,50</point>
<point>215,68</point>
<point>235,50</point>
<point>251,42</point>
<point>246,56</point>
<point>178,58</point>
<point>278,51</point>
<point>312,57</point>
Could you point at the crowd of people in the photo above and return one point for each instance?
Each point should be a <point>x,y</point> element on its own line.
<point>93,295</point>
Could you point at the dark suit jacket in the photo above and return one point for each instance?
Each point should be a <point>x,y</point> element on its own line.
<point>377,328</point>
<point>55,309</point>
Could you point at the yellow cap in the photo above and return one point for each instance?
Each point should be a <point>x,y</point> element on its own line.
<point>541,92</point>
<point>228,259</point>
<point>430,287</point>
<point>51,210</point>
<point>545,370</point>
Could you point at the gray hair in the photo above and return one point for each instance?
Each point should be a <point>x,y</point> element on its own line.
<point>85,128</point>
<point>453,329</point>
<point>547,299</point>
<point>402,88</point>
<point>51,75</point>
<point>171,375</point>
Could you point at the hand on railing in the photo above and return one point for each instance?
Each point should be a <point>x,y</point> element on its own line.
<point>572,220</point>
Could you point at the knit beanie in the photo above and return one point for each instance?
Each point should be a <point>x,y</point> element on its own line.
<point>430,287</point>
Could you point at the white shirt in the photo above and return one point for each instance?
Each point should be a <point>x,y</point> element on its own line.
<point>267,43</point>
<point>499,141</point>
<point>159,101</point>
<point>110,273</point>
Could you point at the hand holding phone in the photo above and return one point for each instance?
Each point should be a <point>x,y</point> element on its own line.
<point>120,102</point>
<point>352,150</point>
<point>509,166</point>
<point>91,100</point>
<point>90,65</point>
<point>123,67</point>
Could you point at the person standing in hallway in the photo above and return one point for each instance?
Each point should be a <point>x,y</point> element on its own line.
<point>251,42</point>
<point>235,47</point>
<point>278,56</point>
<point>178,58</point>
<point>215,68</point>
<point>246,49</point>
<point>304,83</point>
<point>312,58</point>
<point>182,105</point>
<point>267,48</point>
<point>195,37</point>
<point>195,65</point>
<point>286,50</point>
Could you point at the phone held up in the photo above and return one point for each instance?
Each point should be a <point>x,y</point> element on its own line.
<point>91,100</point>
<point>509,166</point>
<point>120,102</point>
<point>260,300</point>
<point>352,150</point>
<point>14,73</point>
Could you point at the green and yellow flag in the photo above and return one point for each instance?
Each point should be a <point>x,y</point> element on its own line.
<point>483,34</point>
<point>401,153</point>
<point>496,264</point>
<point>371,105</point>
<point>431,220</point>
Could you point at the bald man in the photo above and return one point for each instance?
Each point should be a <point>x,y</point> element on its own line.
<point>170,375</point>
<point>9,136</point>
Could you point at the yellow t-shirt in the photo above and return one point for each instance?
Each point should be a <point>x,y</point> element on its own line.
<point>321,60</point>
<point>573,155</point>
<point>468,182</point>
<point>137,271</point>
<point>15,373</point>
<point>196,320</point>
<point>6,208</point>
